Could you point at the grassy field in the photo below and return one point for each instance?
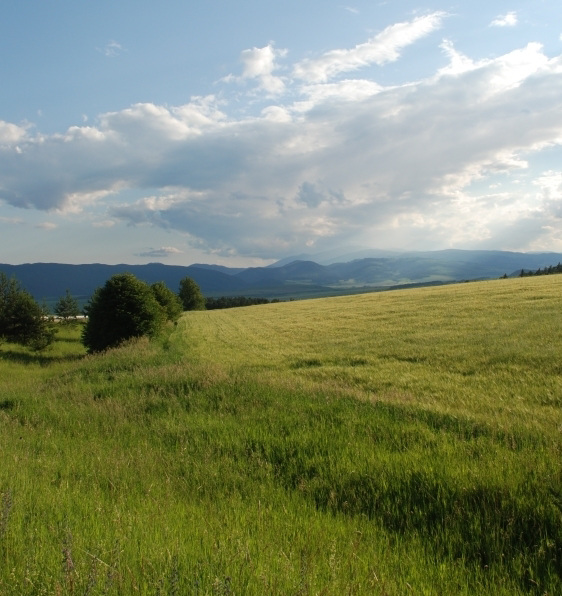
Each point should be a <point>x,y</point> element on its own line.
<point>389,443</point>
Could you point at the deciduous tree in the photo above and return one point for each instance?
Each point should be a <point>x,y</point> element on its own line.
<point>190,295</point>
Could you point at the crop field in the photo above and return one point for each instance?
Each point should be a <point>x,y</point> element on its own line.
<point>402,442</point>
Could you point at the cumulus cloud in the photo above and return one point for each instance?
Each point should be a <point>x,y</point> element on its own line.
<point>11,134</point>
<point>259,65</point>
<point>506,20</point>
<point>326,161</point>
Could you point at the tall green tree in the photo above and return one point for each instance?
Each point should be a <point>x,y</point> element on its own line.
<point>190,295</point>
<point>168,300</point>
<point>125,307</point>
<point>22,320</point>
<point>67,307</point>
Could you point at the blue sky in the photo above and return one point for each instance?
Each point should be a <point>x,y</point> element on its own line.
<point>243,132</point>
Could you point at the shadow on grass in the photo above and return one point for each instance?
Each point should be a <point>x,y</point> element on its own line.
<point>56,353</point>
<point>37,357</point>
<point>69,340</point>
<point>69,332</point>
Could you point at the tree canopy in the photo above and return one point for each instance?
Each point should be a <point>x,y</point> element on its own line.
<point>168,300</point>
<point>190,295</point>
<point>125,307</point>
<point>22,320</point>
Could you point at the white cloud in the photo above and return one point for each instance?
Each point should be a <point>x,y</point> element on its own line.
<point>163,252</point>
<point>327,162</point>
<point>259,64</point>
<point>382,48</point>
<point>47,225</point>
<point>106,223</point>
<point>550,187</point>
<point>458,64</point>
<point>347,90</point>
<point>504,72</point>
<point>11,134</point>
<point>507,20</point>
<point>111,49</point>
<point>517,66</point>
<point>11,221</point>
<point>276,114</point>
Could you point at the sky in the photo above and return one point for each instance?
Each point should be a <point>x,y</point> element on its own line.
<point>241,133</point>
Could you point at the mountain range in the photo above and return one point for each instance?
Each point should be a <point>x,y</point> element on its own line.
<point>298,277</point>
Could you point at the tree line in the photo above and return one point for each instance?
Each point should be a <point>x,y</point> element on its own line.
<point>235,301</point>
<point>546,271</point>
<point>123,308</point>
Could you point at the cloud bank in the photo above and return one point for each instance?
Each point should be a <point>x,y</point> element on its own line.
<point>327,159</point>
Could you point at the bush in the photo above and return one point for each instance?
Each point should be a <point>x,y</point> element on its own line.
<point>190,295</point>
<point>22,320</point>
<point>125,307</point>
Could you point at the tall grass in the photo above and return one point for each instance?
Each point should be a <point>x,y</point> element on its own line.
<point>404,442</point>
<point>488,350</point>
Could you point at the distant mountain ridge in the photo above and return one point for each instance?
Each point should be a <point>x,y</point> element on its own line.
<point>48,280</point>
<point>289,277</point>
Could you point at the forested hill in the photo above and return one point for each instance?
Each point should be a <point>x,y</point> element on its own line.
<point>297,278</point>
<point>49,280</point>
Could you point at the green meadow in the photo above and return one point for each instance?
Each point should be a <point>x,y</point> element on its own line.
<point>402,442</point>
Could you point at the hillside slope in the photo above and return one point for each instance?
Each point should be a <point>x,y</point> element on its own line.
<point>389,443</point>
